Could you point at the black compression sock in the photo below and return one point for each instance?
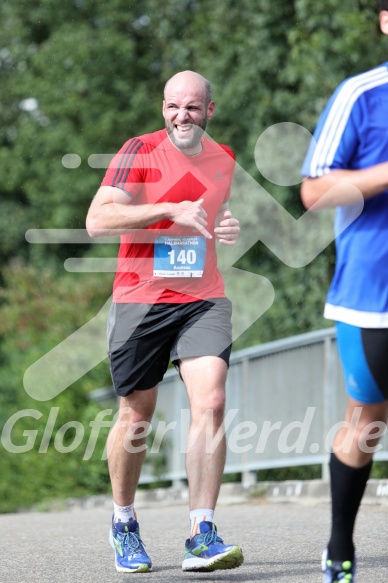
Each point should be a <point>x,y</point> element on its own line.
<point>347,489</point>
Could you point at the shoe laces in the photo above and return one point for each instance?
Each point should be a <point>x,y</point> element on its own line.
<point>131,541</point>
<point>212,537</point>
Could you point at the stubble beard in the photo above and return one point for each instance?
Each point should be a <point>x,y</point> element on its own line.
<point>189,142</point>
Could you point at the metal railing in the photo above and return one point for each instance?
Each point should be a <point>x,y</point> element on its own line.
<point>284,402</point>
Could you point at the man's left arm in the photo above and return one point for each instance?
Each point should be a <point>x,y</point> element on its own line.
<point>227,227</point>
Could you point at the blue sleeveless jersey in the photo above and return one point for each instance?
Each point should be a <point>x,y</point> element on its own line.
<point>352,134</point>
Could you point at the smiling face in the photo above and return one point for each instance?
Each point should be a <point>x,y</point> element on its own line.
<point>186,112</point>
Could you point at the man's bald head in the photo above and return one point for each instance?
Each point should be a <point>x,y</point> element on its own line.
<point>190,78</point>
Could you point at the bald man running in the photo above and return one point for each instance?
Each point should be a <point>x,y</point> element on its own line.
<point>166,194</point>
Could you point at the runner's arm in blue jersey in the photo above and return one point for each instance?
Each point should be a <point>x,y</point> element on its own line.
<point>343,187</point>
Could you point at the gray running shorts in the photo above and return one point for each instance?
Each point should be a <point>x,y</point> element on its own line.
<point>143,338</point>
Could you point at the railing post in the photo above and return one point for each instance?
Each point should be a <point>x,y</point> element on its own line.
<point>330,412</point>
<point>248,477</point>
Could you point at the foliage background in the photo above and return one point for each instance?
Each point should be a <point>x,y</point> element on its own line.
<point>81,77</point>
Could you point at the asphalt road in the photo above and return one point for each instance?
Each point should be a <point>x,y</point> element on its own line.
<point>281,543</point>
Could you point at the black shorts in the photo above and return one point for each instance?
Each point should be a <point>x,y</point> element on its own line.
<point>143,338</point>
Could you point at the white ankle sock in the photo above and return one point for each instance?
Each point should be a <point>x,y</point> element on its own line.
<point>123,513</point>
<point>199,515</point>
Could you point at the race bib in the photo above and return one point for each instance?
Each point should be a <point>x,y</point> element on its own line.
<point>179,256</point>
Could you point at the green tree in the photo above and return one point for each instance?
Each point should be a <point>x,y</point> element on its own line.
<point>39,309</point>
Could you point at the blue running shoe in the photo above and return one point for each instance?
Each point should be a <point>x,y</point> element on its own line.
<point>337,571</point>
<point>129,550</point>
<point>207,552</point>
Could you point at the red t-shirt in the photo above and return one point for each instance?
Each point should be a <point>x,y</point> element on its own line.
<point>166,262</point>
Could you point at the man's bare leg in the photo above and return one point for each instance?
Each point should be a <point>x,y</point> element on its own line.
<point>352,444</point>
<point>205,379</point>
<point>126,452</point>
<point>126,449</point>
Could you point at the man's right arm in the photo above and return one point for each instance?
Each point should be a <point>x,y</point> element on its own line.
<point>111,214</point>
<point>344,187</point>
